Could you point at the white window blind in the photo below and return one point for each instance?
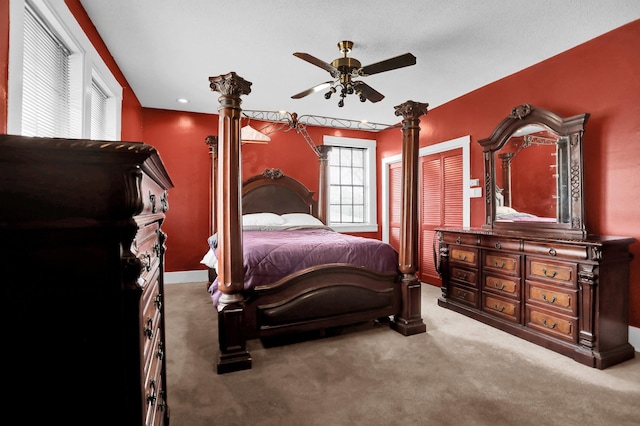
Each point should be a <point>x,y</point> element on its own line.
<point>98,112</point>
<point>45,108</point>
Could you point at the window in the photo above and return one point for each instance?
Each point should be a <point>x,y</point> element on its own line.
<point>352,177</point>
<point>59,85</point>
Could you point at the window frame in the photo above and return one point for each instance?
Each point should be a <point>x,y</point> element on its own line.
<point>86,65</point>
<point>371,207</point>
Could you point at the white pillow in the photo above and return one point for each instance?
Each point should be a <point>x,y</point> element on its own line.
<point>505,210</point>
<point>301,219</point>
<point>262,219</point>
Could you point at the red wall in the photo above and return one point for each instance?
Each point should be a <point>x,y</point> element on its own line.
<point>601,77</point>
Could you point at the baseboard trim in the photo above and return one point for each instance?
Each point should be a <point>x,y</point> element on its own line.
<point>185,277</point>
<point>202,276</point>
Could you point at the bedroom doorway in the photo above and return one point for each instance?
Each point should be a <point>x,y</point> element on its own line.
<point>442,196</point>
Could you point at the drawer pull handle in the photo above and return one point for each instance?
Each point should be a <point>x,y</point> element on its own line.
<point>462,295</point>
<point>463,276</point>
<point>552,275</point>
<point>151,398</point>
<point>498,245</point>
<point>158,301</point>
<point>501,265</point>
<point>148,330</point>
<point>458,240</point>
<point>495,284</point>
<point>552,326</point>
<point>552,252</point>
<point>160,351</point>
<point>552,300</point>
<point>461,257</point>
<point>495,306</point>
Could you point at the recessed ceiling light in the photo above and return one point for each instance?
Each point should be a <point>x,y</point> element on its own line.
<point>183,100</point>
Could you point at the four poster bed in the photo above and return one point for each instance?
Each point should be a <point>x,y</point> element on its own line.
<point>270,241</point>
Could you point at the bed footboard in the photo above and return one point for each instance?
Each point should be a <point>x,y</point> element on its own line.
<point>321,297</point>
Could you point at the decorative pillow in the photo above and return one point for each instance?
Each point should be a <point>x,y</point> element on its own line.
<point>262,219</point>
<point>301,219</point>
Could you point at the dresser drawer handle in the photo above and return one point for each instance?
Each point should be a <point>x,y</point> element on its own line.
<point>151,398</point>
<point>495,284</point>
<point>552,275</point>
<point>495,306</point>
<point>552,252</point>
<point>458,240</point>
<point>158,301</point>
<point>148,330</point>
<point>462,295</point>
<point>461,257</point>
<point>544,297</point>
<point>463,276</point>
<point>502,265</point>
<point>552,326</point>
<point>498,245</point>
<point>160,351</point>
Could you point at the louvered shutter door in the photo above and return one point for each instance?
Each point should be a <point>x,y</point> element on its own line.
<point>440,204</point>
<point>395,203</point>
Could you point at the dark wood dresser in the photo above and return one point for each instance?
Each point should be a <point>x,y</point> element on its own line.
<point>568,295</point>
<point>82,291</point>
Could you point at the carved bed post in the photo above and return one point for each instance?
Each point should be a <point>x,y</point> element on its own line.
<point>233,353</point>
<point>410,319</point>
<point>323,183</point>
<point>212,142</point>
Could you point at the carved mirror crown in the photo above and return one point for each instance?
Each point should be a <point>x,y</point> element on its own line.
<point>533,177</point>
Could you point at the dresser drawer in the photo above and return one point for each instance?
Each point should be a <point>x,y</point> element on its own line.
<point>146,247</point>
<point>553,249</point>
<point>154,197</point>
<point>504,263</point>
<point>151,315</point>
<point>554,298</point>
<point>552,323</point>
<point>464,255</point>
<point>154,389</point>
<point>502,307</point>
<point>465,276</point>
<point>501,243</point>
<point>459,238</point>
<point>553,272</point>
<point>506,286</point>
<point>466,296</point>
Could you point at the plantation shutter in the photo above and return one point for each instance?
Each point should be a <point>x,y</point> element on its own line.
<point>395,204</point>
<point>440,204</point>
<point>45,97</point>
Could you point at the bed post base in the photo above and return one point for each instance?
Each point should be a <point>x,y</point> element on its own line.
<point>409,322</point>
<point>233,355</point>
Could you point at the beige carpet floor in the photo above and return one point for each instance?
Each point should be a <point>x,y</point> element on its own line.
<point>460,372</point>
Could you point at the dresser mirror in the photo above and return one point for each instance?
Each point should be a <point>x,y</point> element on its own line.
<point>533,177</point>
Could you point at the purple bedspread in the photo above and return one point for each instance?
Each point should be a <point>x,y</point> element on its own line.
<point>272,255</point>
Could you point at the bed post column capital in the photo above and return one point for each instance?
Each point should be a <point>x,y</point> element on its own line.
<point>410,319</point>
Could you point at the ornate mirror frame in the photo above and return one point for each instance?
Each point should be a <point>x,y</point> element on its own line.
<point>570,170</point>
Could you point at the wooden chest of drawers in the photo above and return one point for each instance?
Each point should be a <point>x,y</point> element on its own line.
<point>570,296</point>
<point>83,260</point>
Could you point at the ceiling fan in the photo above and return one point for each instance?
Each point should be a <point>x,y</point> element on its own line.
<point>345,69</point>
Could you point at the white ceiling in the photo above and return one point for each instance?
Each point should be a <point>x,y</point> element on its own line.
<point>168,49</point>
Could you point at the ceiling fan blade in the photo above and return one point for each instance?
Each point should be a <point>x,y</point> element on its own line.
<point>319,63</point>
<point>314,89</point>
<point>389,64</point>
<point>367,91</point>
